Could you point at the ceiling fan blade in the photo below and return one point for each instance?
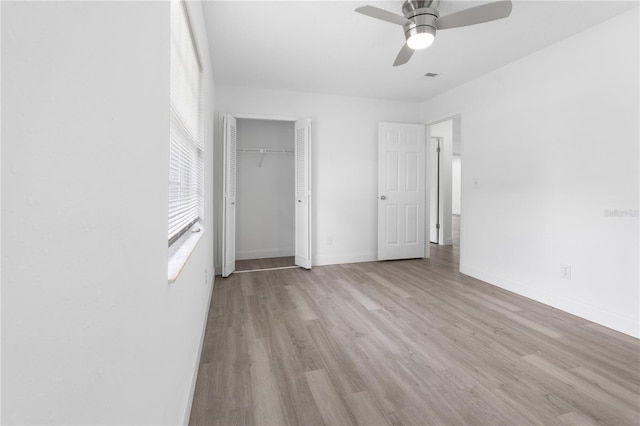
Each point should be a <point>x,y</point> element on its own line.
<point>403,57</point>
<point>475,15</point>
<point>385,15</point>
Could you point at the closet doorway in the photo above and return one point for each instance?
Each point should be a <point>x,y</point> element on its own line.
<point>266,218</point>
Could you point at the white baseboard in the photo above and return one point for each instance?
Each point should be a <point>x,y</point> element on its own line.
<point>350,258</point>
<point>264,253</point>
<point>194,379</point>
<point>572,306</point>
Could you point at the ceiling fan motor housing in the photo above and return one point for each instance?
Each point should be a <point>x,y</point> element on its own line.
<point>410,6</point>
<point>422,19</point>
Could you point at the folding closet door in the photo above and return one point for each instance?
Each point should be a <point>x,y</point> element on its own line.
<point>303,193</point>
<point>229,189</point>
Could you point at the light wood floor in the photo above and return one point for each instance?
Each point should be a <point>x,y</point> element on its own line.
<point>405,342</point>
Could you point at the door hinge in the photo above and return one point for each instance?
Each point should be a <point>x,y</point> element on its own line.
<point>438,150</point>
<point>437,226</point>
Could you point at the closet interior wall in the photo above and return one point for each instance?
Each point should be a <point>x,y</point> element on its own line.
<point>265,221</point>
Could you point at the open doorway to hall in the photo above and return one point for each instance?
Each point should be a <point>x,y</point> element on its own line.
<point>445,168</point>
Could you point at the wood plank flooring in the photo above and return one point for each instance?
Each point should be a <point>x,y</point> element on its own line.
<point>405,343</point>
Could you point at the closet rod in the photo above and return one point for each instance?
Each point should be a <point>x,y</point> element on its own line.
<point>264,150</point>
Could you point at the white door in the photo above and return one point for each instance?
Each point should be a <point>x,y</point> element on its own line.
<point>303,193</point>
<point>401,191</point>
<point>229,190</point>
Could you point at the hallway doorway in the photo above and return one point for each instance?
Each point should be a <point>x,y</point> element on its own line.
<point>445,177</point>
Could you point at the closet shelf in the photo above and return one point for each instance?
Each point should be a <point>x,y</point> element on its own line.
<point>265,150</point>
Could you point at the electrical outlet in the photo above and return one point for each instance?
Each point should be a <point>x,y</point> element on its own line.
<point>206,277</point>
<point>565,271</point>
<point>330,240</point>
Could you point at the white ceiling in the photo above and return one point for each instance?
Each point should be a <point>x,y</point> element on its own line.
<point>325,47</point>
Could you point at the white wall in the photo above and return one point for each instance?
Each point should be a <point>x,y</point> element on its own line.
<point>344,161</point>
<point>552,140</point>
<point>92,332</point>
<point>265,221</point>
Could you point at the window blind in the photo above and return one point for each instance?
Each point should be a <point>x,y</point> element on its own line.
<point>186,146</point>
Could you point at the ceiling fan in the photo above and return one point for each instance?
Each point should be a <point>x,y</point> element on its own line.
<point>421,20</point>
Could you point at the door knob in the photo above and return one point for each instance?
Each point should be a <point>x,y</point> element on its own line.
<point>383,197</point>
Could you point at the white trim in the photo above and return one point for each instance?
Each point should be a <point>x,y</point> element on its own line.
<point>575,307</point>
<point>277,268</point>
<point>264,117</point>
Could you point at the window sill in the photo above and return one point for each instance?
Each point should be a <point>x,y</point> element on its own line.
<point>181,250</point>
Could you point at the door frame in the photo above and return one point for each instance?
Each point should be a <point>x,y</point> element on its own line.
<point>265,117</point>
<point>456,136</point>
<point>245,116</point>
<point>436,187</point>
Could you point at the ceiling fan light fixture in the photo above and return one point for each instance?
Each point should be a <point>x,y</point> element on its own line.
<point>420,41</point>
<point>420,36</point>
